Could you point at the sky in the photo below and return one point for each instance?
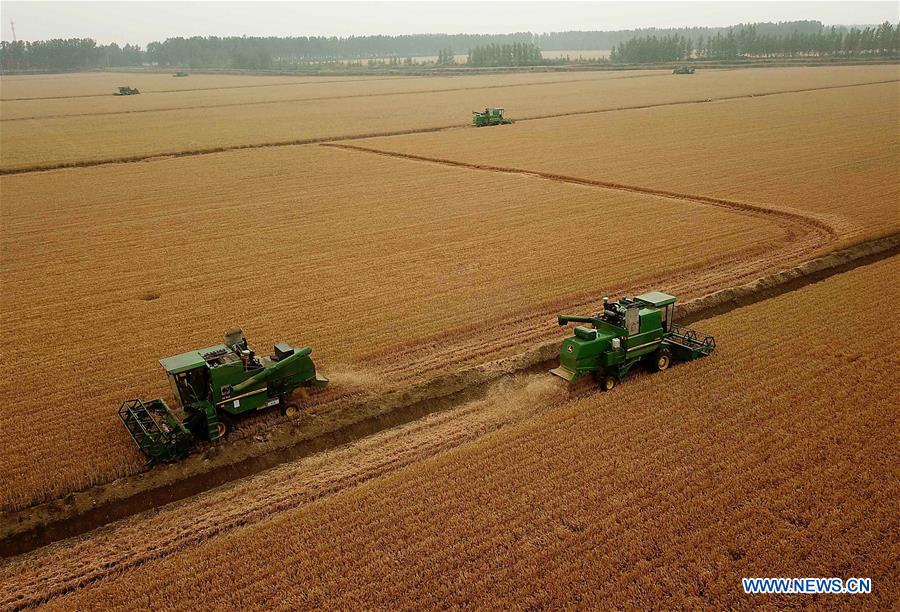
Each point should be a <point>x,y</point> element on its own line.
<point>143,22</point>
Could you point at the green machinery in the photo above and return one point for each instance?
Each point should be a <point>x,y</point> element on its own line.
<point>126,90</point>
<point>214,385</point>
<point>683,70</point>
<point>180,73</point>
<point>490,116</point>
<point>626,333</point>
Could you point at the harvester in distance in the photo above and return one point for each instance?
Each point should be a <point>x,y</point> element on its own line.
<point>490,116</point>
<point>683,70</point>
<point>625,333</point>
<point>180,73</point>
<point>127,90</point>
<point>214,385</point>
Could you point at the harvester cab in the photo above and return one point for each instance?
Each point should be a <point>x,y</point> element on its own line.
<point>490,116</point>
<point>624,333</point>
<point>214,385</point>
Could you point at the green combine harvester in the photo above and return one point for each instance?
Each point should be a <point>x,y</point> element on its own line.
<point>126,90</point>
<point>490,116</point>
<point>683,70</point>
<point>626,333</point>
<point>180,73</point>
<point>214,385</point>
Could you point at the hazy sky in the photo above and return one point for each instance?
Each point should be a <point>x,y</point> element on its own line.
<point>142,22</point>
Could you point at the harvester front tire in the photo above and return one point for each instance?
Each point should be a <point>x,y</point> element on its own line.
<point>292,410</point>
<point>608,383</point>
<point>662,359</point>
<point>224,426</point>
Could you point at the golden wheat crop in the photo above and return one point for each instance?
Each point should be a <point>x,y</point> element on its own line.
<point>832,154</point>
<point>105,270</point>
<point>61,140</point>
<point>774,456</point>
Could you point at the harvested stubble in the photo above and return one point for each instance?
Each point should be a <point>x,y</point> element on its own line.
<point>41,142</point>
<point>773,457</point>
<point>284,243</point>
<point>830,154</point>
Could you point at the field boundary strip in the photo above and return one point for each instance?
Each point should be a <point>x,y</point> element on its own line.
<point>452,391</point>
<point>323,139</point>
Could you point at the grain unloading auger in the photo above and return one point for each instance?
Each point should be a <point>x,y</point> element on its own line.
<point>624,334</point>
<point>214,385</point>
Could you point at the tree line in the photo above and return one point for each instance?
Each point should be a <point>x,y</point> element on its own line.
<point>515,54</point>
<point>749,41</point>
<point>60,55</point>
<point>649,44</point>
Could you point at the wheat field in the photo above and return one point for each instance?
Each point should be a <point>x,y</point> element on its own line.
<point>838,164</point>
<point>661,494</point>
<point>362,258</point>
<point>92,138</point>
<point>434,267</point>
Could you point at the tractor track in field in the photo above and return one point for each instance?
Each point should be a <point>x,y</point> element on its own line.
<point>150,157</point>
<point>75,565</point>
<point>54,521</point>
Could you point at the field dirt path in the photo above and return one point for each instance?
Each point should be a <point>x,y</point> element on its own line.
<point>319,140</point>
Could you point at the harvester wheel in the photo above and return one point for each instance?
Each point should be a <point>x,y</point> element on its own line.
<point>292,411</point>
<point>662,359</point>
<point>608,383</point>
<point>224,426</point>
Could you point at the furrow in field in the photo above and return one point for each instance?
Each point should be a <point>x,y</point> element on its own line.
<point>87,163</point>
